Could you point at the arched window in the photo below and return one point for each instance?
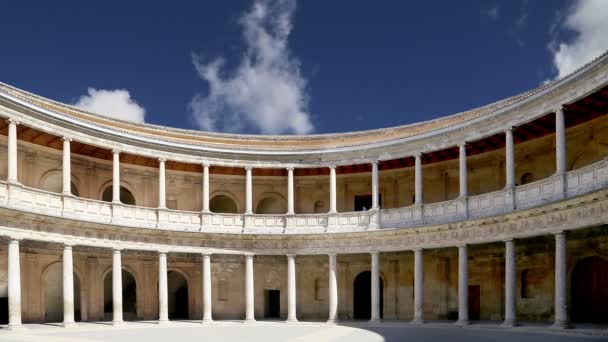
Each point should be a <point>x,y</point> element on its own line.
<point>223,204</point>
<point>527,178</point>
<point>523,286</point>
<point>271,205</point>
<point>126,196</point>
<point>53,181</point>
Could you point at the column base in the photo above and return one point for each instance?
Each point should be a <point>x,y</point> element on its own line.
<point>69,324</point>
<point>207,321</point>
<point>163,322</point>
<point>291,320</point>
<point>16,327</point>
<point>509,324</point>
<point>463,322</point>
<point>375,320</point>
<point>249,320</point>
<point>332,321</point>
<point>417,321</point>
<point>117,323</point>
<point>560,325</point>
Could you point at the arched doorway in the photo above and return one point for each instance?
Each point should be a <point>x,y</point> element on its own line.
<point>129,296</point>
<point>178,295</point>
<point>362,296</point>
<point>223,204</point>
<point>590,290</point>
<point>126,197</point>
<point>52,285</point>
<point>271,206</point>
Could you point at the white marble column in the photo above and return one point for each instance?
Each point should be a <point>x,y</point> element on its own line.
<point>290,192</point>
<point>375,190</point>
<point>291,288</point>
<point>333,289</point>
<point>332,190</point>
<point>116,288</point>
<point>115,176</point>
<point>418,179</point>
<point>463,286</point>
<point>509,158</point>
<point>206,187</point>
<point>510,284</point>
<point>163,294</point>
<point>12,151</point>
<point>14,286</point>
<point>67,168</point>
<point>249,289</point>
<point>375,287</point>
<point>162,201</point>
<point>248,190</point>
<point>68,287</point>
<point>462,167</point>
<point>207,299</point>
<point>561,282</point>
<point>560,142</point>
<point>418,287</point>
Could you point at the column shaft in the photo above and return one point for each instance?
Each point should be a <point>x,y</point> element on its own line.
<point>67,167</point>
<point>163,303</point>
<point>291,288</point>
<point>68,287</point>
<point>249,289</point>
<point>115,176</point>
<point>510,285</point>
<point>207,299</point>
<point>418,287</point>
<point>560,141</point>
<point>375,287</point>
<point>206,188</point>
<point>162,201</point>
<point>375,190</point>
<point>462,166</point>
<point>333,289</point>
<point>14,285</point>
<point>290,192</point>
<point>248,191</point>
<point>561,285</point>
<point>332,190</point>
<point>116,287</point>
<point>463,285</point>
<point>509,158</point>
<point>12,151</point>
<point>418,179</point>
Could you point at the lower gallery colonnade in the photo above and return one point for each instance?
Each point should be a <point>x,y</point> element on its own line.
<point>560,314</point>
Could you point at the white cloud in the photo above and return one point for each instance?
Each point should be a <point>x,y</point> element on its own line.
<point>589,20</point>
<point>115,103</point>
<point>266,92</point>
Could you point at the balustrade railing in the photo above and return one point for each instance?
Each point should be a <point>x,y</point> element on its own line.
<point>577,182</point>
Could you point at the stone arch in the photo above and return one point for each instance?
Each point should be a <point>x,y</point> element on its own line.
<point>179,293</point>
<point>271,203</point>
<point>130,291</point>
<point>127,193</point>
<point>52,181</point>
<point>362,294</point>
<point>223,202</point>
<point>51,292</point>
<point>586,157</point>
<point>589,290</point>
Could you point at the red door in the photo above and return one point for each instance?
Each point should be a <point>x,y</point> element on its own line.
<point>590,291</point>
<point>474,302</point>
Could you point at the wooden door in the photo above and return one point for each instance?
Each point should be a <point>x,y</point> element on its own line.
<point>474,302</point>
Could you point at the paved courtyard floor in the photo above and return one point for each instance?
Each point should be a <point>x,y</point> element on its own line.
<point>227,331</point>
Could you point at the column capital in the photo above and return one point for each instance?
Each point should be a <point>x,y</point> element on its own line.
<point>375,162</point>
<point>462,144</point>
<point>205,164</point>
<point>68,245</point>
<point>248,168</point>
<point>206,254</point>
<point>162,160</point>
<point>116,250</point>
<point>417,155</point>
<point>462,245</point>
<point>508,240</point>
<point>290,255</point>
<point>417,249</point>
<point>68,139</point>
<point>15,241</point>
<point>162,251</point>
<point>249,256</point>
<point>374,252</point>
<point>332,254</point>
<point>560,233</point>
<point>13,121</point>
<point>509,129</point>
<point>560,108</point>
<point>332,167</point>
<point>116,151</point>
<point>291,168</point>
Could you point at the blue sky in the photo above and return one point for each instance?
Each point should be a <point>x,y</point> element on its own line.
<point>285,67</point>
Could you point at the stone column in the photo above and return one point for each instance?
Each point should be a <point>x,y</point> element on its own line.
<point>509,158</point>
<point>14,286</point>
<point>463,286</point>
<point>116,288</point>
<point>207,299</point>
<point>163,295</point>
<point>510,284</point>
<point>206,187</point>
<point>560,142</point>
<point>375,287</point>
<point>248,190</point>
<point>291,288</point>
<point>561,282</point>
<point>162,202</point>
<point>375,181</point>
<point>333,289</point>
<point>12,151</point>
<point>418,179</point>
<point>67,168</point>
<point>68,287</point>
<point>418,287</point>
<point>116,176</point>
<point>249,289</point>
<point>462,166</point>
<point>332,190</point>
<point>290,192</point>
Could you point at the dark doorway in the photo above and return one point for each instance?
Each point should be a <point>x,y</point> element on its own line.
<point>590,291</point>
<point>177,288</point>
<point>474,302</point>
<point>364,202</point>
<point>362,296</point>
<point>4,310</point>
<point>272,304</point>
<point>129,296</point>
